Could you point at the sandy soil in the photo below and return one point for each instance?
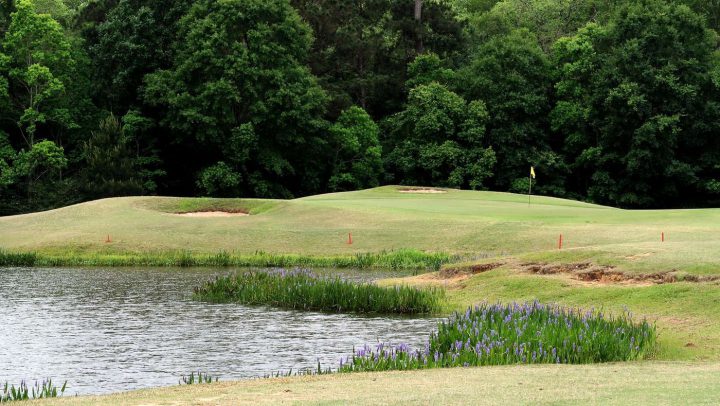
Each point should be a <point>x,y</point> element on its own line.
<point>211,214</point>
<point>421,190</point>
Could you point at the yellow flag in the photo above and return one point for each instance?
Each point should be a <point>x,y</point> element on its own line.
<point>532,172</point>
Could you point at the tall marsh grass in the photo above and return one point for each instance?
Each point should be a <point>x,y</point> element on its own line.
<point>303,290</point>
<point>400,259</point>
<point>529,333</point>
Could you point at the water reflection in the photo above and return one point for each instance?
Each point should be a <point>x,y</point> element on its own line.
<point>122,329</point>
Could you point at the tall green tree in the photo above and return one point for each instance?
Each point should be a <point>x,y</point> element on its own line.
<point>134,39</point>
<point>439,140</point>
<point>513,77</point>
<point>110,166</point>
<point>548,20</point>
<point>639,107</point>
<point>357,161</point>
<point>361,48</point>
<point>239,87</point>
<point>39,66</point>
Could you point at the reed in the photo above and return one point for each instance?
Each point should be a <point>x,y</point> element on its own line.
<point>40,390</point>
<point>303,290</point>
<point>399,259</point>
<point>529,333</point>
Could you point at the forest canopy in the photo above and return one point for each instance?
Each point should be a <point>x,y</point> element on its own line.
<point>611,101</point>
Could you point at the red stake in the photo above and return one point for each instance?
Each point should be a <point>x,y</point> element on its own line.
<point>350,238</point>
<point>108,240</point>
<point>662,237</point>
<point>560,242</point>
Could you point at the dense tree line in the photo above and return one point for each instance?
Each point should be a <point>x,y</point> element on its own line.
<point>612,101</point>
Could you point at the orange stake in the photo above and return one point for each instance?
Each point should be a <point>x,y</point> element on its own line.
<point>560,242</point>
<point>662,237</point>
<point>349,238</point>
<point>108,240</point>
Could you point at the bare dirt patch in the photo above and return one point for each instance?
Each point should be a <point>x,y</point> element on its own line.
<point>421,190</point>
<point>212,214</point>
<point>588,272</point>
<point>472,269</point>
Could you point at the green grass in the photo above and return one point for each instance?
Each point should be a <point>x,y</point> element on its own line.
<point>303,290</point>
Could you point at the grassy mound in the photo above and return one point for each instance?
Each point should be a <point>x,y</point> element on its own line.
<point>301,289</point>
<point>530,333</point>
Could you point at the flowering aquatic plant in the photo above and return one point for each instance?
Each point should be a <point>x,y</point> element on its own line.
<point>515,333</point>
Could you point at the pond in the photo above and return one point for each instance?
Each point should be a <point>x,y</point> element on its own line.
<point>110,330</point>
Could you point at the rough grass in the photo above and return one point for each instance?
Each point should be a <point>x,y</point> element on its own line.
<point>400,259</point>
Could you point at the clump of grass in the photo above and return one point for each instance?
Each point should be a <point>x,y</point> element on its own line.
<point>516,333</point>
<point>197,378</point>
<point>17,258</point>
<point>40,390</point>
<point>400,259</point>
<point>303,290</point>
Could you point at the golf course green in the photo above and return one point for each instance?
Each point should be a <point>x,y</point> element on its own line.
<point>661,265</point>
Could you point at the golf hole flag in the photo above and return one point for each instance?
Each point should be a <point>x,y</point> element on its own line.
<point>532,172</point>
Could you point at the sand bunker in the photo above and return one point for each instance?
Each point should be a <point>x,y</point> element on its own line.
<point>212,214</point>
<point>421,190</point>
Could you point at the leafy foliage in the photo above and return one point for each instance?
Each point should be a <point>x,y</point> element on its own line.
<point>238,85</point>
<point>110,166</point>
<point>439,140</point>
<point>638,105</point>
<point>358,156</point>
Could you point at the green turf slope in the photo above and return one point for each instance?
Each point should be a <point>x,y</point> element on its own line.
<point>474,224</point>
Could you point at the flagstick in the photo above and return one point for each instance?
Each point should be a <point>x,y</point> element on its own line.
<point>530,190</point>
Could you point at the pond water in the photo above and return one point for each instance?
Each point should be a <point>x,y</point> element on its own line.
<point>110,330</point>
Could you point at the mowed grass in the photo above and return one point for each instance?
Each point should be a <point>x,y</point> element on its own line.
<point>475,225</point>
<point>629,383</point>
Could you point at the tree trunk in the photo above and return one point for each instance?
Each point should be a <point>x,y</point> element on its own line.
<point>419,48</point>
